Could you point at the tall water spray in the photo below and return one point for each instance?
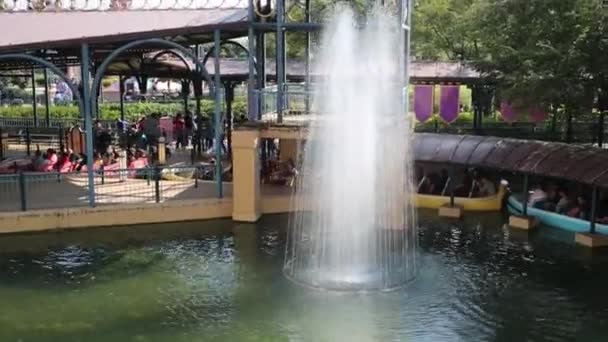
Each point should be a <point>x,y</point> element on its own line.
<point>354,227</point>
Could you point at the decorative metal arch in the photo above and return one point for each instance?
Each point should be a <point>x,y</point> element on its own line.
<point>171,52</point>
<point>230,42</point>
<point>53,68</point>
<point>169,44</point>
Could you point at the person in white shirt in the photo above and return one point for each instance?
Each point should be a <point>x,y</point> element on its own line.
<point>538,197</point>
<point>486,187</point>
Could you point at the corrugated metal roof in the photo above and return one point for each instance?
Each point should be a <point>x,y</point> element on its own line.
<point>586,165</point>
<point>49,30</point>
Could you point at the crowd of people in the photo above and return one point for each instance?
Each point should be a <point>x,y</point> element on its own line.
<point>468,183</point>
<point>186,131</point>
<point>66,160</point>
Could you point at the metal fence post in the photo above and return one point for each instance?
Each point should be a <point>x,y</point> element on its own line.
<point>525,196</point>
<point>450,185</point>
<point>593,210</point>
<point>196,173</point>
<point>27,141</point>
<point>22,193</point>
<point>87,99</point>
<point>157,184</point>
<point>1,146</point>
<point>103,175</point>
<point>218,122</point>
<point>61,145</point>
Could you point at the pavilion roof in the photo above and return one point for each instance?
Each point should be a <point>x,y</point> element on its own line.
<point>237,69</point>
<point>53,30</point>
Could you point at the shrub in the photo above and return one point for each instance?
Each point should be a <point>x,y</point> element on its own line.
<point>110,111</point>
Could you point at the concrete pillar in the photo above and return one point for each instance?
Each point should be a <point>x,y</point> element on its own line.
<point>246,175</point>
<point>289,149</point>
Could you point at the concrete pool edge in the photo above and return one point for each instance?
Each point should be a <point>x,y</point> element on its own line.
<point>131,214</point>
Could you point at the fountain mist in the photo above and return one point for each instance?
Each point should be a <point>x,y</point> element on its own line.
<point>354,227</point>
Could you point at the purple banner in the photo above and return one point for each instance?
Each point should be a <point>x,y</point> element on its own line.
<point>449,103</point>
<point>508,112</point>
<point>423,102</point>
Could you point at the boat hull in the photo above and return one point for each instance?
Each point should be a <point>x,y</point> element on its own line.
<point>555,220</point>
<point>492,203</point>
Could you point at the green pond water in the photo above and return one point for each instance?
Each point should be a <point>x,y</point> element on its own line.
<point>222,281</point>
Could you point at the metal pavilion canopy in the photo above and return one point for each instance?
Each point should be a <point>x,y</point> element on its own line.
<point>54,30</point>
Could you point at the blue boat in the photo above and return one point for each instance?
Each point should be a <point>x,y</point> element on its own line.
<point>556,220</point>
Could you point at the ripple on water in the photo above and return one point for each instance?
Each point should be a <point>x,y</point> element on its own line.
<point>475,284</point>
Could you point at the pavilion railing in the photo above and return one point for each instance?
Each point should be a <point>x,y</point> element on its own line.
<point>117,5</point>
<point>297,101</point>
<point>51,190</point>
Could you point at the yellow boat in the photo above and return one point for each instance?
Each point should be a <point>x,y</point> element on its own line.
<point>492,203</point>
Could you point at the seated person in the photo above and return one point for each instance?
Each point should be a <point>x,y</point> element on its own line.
<point>563,202</point>
<point>63,162</point>
<point>485,187</point>
<point>44,165</point>
<point>538,198</point>
<point>579,209</point>
<point>37,160</point>
<point>284,174</point>
<point>552,198</point>
<point>464,188</point>
<point>52,156</point>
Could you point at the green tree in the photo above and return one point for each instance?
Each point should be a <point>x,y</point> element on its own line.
<point>540,51</point>
<point>446,30</point>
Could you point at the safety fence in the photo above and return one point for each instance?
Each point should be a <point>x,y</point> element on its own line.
<point>33,190</point>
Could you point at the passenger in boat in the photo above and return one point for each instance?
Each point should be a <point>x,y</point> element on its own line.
<point>429,184</point>
<point>538,197</point>
<point>552,198</point>
<point>283,173</point>
<point>464,188</point>
<point>563,201</point>
<point>485,187</point>
<point>580,209</point>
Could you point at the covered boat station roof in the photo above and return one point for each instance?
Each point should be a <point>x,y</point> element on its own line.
<point>236,69</point>
<point>585,165</point>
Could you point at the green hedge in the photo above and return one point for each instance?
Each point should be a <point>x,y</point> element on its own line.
<point>109,111</point>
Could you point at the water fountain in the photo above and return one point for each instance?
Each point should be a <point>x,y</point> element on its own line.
<point>354,227</point>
